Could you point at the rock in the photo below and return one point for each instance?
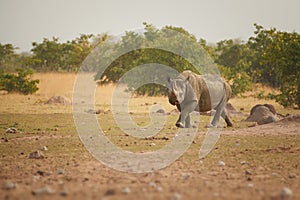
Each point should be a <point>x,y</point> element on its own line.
<point>161,111</point>
<point>292,175</point>
<point>176,196</point>
<point>267,120</point>
<point>63,193</point>
<point>250,185</point>
<point>11,130</point>
<point>286,193</point>
<point>44,148</point>
<point>152,144</point>
<point>36,155</point>
<point>159,189</point>
<point>43,191</point>
<point>221,163</point>
<point>263,114</point>
<point>10,185</point>
<point>60,171</point>
<point>110,192</point>
<point>126,190</point>
<point>243,162</point>
<point>59,100</point>
<point>247,172</point>
<point>152,184</point>
<point>44,173</point>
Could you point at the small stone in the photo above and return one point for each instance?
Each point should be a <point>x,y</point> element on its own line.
<point>159,189</point>
<point>63,193</point>
<point>44,173</point>
<point>161,111</point>
<point>286,192</point>
<point>60,171</point>
<point>110,192</point>
<point>11,130</point>
<point>152,144</point>
<point>275,174</point>
<point>126,190</point>
<point>250,185</point>
<point>36,155</point>
<point>176,196</point>
<point>44,148</point>
<point>221,164</point>
<point>243,162</point>
<point>43,191</point>
<point>247,172</point>
<point>152,184</point>
<point>292,175</point>
<point>10,185</point>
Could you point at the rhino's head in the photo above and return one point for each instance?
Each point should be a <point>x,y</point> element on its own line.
<point>177,89</point>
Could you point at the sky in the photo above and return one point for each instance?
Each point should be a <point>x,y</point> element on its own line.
<point>25,21</point>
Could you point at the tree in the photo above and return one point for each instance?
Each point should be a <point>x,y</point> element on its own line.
<point>52,55</point>
<point>137,49</point>
<point>276,61</point>
<point>7,54</point>
<point>231,55</point>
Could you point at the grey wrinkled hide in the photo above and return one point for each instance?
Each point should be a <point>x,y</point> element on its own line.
<point>191,92</point>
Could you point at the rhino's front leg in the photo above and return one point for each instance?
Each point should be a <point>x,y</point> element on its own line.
<point>184,117</point>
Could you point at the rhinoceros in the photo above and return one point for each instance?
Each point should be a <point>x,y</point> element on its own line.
<point>192,92</point>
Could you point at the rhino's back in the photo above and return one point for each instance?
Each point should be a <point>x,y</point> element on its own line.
<point>209,89</point>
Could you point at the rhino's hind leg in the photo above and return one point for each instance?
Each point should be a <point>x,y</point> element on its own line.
<point>226,118</point>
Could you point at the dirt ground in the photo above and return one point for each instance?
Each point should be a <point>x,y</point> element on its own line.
<point>260,162</point>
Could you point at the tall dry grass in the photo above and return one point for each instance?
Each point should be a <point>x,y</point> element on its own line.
<point>62,84</point>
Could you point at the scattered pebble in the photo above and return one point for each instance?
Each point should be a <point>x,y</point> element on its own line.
<point>44,148</point>
<point>292,175</point>
<point>250,185</point>
<point>44,173</point>
<point>10,185</point>
<point>176,196</point>
<point>159,189</point>
<point>275,174</point>
<point>60,171</point>
<point>63,193</point>
<point>152,184</point>
<point>247,172</point>
<point>43,191</point>
<point>126,190</point>
<point>243,162</point>
<point>36,155</point>
<point>161,111</point>
<point>286,193</point>
<point>221,163</point>
<point>11,130</point>
<point>110,192</point>
<point>152,144</point>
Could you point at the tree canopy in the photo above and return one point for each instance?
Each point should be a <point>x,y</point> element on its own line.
<point>270,57</point>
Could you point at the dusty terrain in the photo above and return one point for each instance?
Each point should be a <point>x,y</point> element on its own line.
<point>260,162</point>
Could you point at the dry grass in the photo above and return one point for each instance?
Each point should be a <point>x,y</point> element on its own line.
<point>270,158</point>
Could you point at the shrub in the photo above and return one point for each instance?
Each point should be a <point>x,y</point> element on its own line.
<point>20,82</point>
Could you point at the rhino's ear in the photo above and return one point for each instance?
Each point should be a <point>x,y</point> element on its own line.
<point>187,79</point>
<point>169,80</point>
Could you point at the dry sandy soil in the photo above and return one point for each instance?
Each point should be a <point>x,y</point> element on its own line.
<point>260,162</point>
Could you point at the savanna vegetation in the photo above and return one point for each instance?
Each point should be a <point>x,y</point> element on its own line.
<point>270,57</point>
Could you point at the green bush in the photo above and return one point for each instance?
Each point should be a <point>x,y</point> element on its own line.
<point>20,82</point>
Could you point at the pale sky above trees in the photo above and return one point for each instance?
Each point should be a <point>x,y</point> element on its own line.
<point>23,22</point>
